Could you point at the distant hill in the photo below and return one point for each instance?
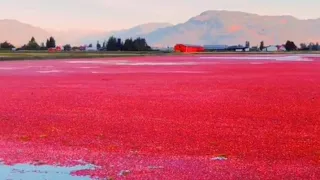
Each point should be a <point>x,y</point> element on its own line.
<point>230,27</point>
<point>75,36</point>
<point>19,33</point>
<point>137,31</point>
<point>209,27</point>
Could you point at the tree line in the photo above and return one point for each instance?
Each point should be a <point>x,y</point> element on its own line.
<point>291,46</point>
<point>138,44</point>
<point>116,44</point>
<point>112,44</point>
<point>31,45</point>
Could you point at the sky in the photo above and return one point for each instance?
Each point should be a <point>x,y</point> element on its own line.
<point>121,14</point>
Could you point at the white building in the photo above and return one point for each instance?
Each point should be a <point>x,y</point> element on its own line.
<point>270,49</point>
<point>215,47</point>
<point>281,48</point>
<point>91,48</point>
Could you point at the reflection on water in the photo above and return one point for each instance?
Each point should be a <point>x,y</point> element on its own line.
<point>43,172</point>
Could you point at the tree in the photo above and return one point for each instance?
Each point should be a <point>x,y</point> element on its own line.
<point>261,45</point>
<point>90,45</point>
<point>140,44</point>
<point>48,44</point>
<point>112,44</point>
<point>303,46</point>
<point>290,46</point>
<point>6,45</point>
<point>310,46</point>
<point>67,47</point>
<point>32,44</point>
<point>313,47</point>
<point>119,44</point>
<point>247,44</point>
<point>51,43</point>
<point>128,45</point>
<point>98,46</point>
<point>116,44</point>
<point>43,47</point>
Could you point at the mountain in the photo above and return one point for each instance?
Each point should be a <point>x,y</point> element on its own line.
<point>231,27</point>
<point>140,30</point>
<point>74,36</point>
<point>209,27</point>
<point>137,31</point>
<point>19,33</point>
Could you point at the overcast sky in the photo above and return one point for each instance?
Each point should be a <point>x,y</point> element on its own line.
<point>119,14</point>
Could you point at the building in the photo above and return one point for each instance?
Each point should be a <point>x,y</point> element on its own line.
<point>215,47</point>
<point>270,49</point>
<point>238,48</point>
<point>91,48</point>
<point>254,48</point>
<point>56,49</point>
<point>281,48</point>
<point>163,49</point>
<point>188,48</point>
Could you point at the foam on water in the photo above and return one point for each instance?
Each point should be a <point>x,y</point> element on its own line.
<point>32,172</point>
<point>11,68</point>
<point>187,72</point>
<point>157,72</point>
<point>256,63</point>
<point>156,63</point>
<point>128,63</point>
<point>88,67</point>
<point>293,58</point>
<point>97,62</point>
<point>237,57</point>
<point>50,71</point>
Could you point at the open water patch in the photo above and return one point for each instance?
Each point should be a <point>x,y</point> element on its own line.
<point>43,172</point>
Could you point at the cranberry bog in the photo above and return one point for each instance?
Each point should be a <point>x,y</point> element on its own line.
<point>173,117</point>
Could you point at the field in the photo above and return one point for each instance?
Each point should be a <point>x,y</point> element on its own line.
<point>27,55</point>
<point>165,117</point>
<point>42,55</point>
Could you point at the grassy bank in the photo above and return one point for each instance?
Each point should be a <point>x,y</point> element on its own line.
<point>29,55</point>
<point>252,52</point>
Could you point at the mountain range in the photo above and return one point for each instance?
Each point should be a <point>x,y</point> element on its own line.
<point>209,27</point>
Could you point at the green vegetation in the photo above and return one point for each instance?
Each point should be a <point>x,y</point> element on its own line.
<point>113,44</point>
<point>29,55</point>
<point>26,55</point>
<point>116,44</point>
<point>116,47</point>
<point>6,46</point>
<point>51,43</point>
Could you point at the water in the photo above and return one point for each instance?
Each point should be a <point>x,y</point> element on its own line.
<point>43,172</point>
